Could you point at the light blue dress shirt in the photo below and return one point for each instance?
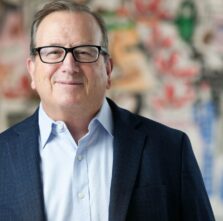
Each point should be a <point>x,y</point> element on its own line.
<point>76,177</point>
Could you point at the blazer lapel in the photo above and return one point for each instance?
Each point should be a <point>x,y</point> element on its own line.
<point>25,157</point>
<point>128,147</point>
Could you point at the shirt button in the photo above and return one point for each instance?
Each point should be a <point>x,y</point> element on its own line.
<point>79,157</point>
<point>81,195</point>
<point>60,127</point>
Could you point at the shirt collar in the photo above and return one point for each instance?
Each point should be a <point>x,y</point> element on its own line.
<point>104,117</point>
<point>45,126</point>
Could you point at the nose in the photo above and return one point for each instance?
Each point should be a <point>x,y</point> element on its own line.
<point>69,63</point>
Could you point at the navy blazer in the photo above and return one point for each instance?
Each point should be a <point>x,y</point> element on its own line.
<point>155,174</point>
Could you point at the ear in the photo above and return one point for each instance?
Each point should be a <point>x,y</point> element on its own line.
<point>109,67</point>
<point>30,64</point>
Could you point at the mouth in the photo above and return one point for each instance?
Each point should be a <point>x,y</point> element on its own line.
<point>69,83</point>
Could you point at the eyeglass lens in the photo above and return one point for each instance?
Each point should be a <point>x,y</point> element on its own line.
<point>81,54</point>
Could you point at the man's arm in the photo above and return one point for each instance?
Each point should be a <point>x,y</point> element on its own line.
<point>194,199</point>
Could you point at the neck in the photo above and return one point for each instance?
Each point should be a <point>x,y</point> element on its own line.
<point>78,127</point>
<point>77,120</point>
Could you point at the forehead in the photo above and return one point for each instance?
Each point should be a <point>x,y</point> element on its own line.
<point>65,27</point>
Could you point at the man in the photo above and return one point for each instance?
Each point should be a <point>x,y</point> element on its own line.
<point>82,158</point>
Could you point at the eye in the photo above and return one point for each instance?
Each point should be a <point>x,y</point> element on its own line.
<point>83,52</point>
<point>52,52</point>
<point>86,52</point>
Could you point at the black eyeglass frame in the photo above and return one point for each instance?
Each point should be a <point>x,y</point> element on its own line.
<point>101,50</point>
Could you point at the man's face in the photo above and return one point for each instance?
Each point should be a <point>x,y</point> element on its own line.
<point>69,84</point>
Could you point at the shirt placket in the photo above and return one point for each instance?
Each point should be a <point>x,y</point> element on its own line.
<point>81,192</point>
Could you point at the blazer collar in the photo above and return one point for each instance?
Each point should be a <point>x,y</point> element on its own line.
<point>128,147</point>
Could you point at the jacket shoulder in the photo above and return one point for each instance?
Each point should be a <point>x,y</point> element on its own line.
<point>155,127</point>
<point>143,124</point>
<point>19,127</point>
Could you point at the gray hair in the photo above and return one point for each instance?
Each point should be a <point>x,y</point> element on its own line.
<point>65,5</point>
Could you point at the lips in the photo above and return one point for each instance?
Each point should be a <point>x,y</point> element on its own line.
<point>69,82</point>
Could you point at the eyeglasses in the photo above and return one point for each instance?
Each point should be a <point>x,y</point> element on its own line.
<point>57,54</point>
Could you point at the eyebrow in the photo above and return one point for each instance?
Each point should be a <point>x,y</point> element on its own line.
<point>55,44</point>
<point>72,45</point>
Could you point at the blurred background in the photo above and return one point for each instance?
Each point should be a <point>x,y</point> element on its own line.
<point>168,66</point>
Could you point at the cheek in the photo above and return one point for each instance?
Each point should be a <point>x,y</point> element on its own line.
<point>101,83</point>
<point>43,77</point>
<point>101,77</point>
<point>98,79</point>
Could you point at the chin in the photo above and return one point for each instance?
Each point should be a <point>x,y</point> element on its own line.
<point>66,103</point>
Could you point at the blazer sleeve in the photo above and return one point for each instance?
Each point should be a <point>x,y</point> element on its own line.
<point>195,205</point>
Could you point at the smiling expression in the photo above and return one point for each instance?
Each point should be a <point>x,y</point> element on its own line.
<point>69,84</point>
